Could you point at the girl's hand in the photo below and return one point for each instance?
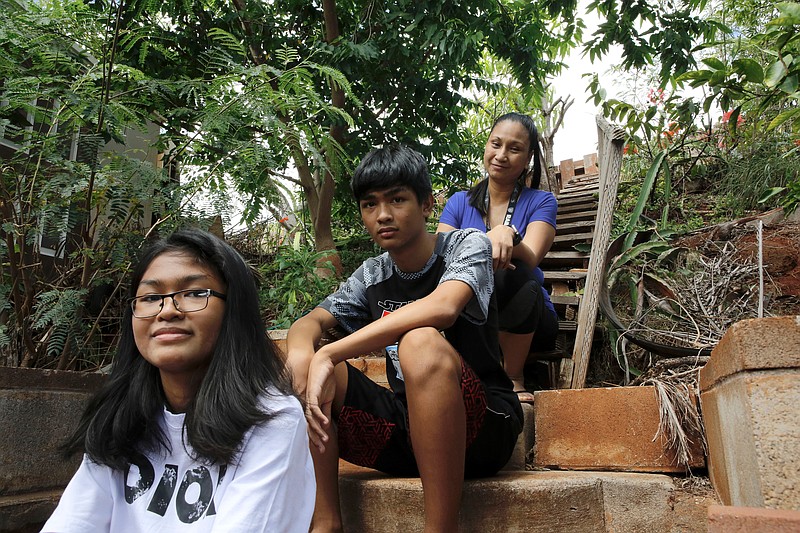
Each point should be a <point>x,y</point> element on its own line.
<point>320,391</point>
<point>502,238</point>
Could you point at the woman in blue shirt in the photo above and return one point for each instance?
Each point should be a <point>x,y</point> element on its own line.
<point>520,220</point>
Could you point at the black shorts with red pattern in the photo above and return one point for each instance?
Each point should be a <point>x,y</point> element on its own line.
<point>373,428</point>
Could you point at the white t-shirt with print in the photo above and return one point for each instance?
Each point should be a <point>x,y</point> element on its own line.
<point>269,486</point>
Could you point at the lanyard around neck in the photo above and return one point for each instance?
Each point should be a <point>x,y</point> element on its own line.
<point>512,204</point>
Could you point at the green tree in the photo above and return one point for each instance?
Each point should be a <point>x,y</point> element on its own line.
<point>758,72</point>
<point>74,105</point>
<point>411,65</point>
<point>661,34</point>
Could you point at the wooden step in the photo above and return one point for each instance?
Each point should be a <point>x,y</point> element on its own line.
<point>551,355</point>
<point>575,216</point>
<point>565,256</point>
<point>580,226</point>
<point>578,191</point>
<point>565,259</point>
<point>577,207</point>
<point>583,178</point>
<point>557,299</point>
<point>561,242</point>
<point>581,186</point>
<point>576,198</point>
<point>564,275</point>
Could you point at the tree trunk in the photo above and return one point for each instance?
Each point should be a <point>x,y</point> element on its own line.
<point>553,115</point>
<point>318,193</point>
<point>323,233</point>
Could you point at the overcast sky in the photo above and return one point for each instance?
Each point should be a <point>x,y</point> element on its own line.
<point>578,135</point>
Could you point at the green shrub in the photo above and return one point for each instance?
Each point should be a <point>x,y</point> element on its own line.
<point>291,286</point>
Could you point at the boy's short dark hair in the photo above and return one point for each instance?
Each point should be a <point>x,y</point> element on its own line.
<point>391,166</point>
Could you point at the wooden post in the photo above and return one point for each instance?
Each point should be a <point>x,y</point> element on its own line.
<point>611,141</point>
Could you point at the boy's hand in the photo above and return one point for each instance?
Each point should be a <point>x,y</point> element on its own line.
<point>320,391</point>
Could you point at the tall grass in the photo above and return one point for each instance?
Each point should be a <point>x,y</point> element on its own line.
<point>753,169</point>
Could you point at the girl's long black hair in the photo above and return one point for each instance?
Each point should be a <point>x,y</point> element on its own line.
<point>478,192</point>
<point>121,421</point>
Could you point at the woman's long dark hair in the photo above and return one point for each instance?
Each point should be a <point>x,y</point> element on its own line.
<point>478,192</point>
<point>121,421</point>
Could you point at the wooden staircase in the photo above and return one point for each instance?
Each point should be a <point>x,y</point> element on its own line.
<point>566,265</point>
<point>572,267</point>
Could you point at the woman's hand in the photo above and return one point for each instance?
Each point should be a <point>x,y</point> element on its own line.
<point>502,238</point>
<point>320,391</point>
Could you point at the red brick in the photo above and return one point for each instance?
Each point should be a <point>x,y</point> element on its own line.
<point>725,519</point>
<point>603,429</point>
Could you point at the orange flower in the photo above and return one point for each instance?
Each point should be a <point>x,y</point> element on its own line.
<point>727,116</point>
<point>630,149</point>
<point>655,96</point>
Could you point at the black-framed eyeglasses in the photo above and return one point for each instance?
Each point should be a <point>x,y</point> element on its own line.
<point>186,301</point>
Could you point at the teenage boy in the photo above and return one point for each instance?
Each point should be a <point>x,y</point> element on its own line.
<point>427,301</point>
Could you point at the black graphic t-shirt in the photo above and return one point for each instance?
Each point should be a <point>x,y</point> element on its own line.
<point>378,287</point>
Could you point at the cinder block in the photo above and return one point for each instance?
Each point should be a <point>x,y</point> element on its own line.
<point>39,409</point>
<point>750,390</point>
<point>725,519</point>
<point>755,344</point>
<point>603,429</point>
<point>27,513</point>
<point>374,366</point>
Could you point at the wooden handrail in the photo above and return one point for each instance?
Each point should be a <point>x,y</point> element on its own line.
<point>611,140</point>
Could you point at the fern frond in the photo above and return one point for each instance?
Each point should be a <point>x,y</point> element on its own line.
<point>227,40</point>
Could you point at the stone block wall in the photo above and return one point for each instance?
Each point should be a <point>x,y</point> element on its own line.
<point>750,396</point>
<point>38,410</point>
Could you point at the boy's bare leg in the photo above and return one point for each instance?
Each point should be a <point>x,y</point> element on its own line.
<point>515,352</point>
<point>432,371</point>
<point>327,513</point>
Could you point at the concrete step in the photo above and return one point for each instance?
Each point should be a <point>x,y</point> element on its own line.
<point>519,500</point>
<point>543,500</point>
<point>528,501</point>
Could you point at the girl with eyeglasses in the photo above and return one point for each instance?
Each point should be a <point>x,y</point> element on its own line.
<point>197,428</point>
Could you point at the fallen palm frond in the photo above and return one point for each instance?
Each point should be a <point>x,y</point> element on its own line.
<point>680,421</point>
<point>693,300</point>
<point>678,298</point>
